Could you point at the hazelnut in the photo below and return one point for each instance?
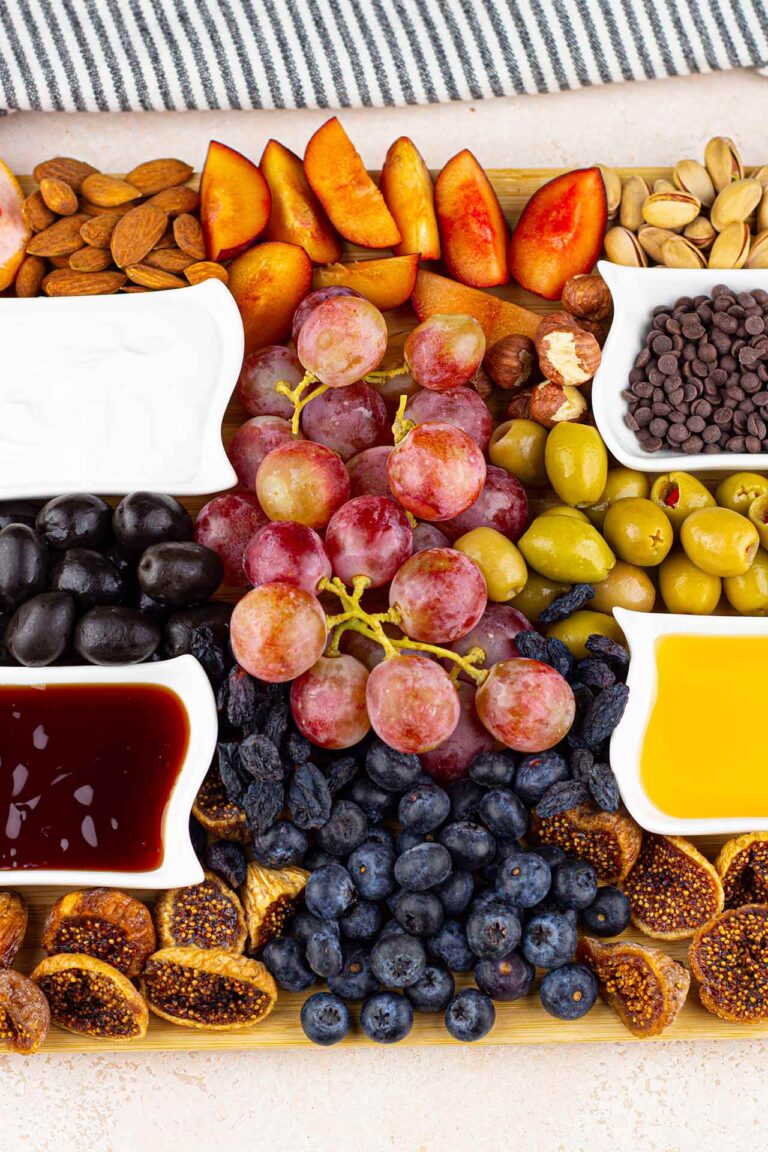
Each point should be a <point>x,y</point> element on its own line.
<point>552,404</point>
<point>587,297</point>
<point>554,320</point>
<point>520,406</point>
<point>568,356</point>
<point>509,361</point>
<point>482,383</point>
<point>597,329</point>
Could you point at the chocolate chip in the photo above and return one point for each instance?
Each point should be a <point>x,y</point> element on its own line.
<point>661,344</point>
<point>693,445</point>
<point>752,444</point>
<point>658,427</point>
<point>736,444</point>
<point>668,364</point>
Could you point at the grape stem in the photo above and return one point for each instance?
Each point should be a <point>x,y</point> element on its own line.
<point>297,397</point>
<point>401,426</point>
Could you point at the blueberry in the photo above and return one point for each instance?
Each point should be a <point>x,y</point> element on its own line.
<point>450,947</point>
<point>381,836</point>
<point>503,814</point>
<point>492,769</point>
<point>408,839</point>
<point>315,859</point>
<point>549,939</point>
<point>505,977</point>
<point>325,1018</point>
<point>424,807</point>
<point>608,914</point>
<point>284,957</point>
<point>371,868</point>
<point>420,913</point>
<point>433,991</point>
<point>386,1017</point>
<point>346,829</point>
<point>391,928</point>
<point>470,845</point>
<point>422,867</point>
<point>362,922</point>
<point>456,892</point>
<point>281,845</point>
<point>524,878</point>
<point>374,801</point>
<point>394,771</point>
<point>552,853</point>
<point>493,930</point>
<point>568,992</point>
<point>574,884</point>
<point>470,1015</point>
<point>356,980</point>
<point>329,892</point>
<point>398,960</point>
<point>323,952</point>
<point>549,904</point>
<point>536,774</point>
<point>304,924</point>
<point>465,799</point>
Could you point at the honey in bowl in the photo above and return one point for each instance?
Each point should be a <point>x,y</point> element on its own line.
<point>703,753</point>
<point>86,771</point>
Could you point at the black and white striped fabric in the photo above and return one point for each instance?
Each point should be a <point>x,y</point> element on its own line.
<point>116,55</point>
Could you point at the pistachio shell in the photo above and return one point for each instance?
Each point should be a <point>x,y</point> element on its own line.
<point>651,240</point>
<point>621,247</point>
<point>664,186</point>
<point>723,162</point>
<point>612,182</point>
<point>633,195</point>
<point>731,248</point>
<point>761,175</point>
<point>761,216</point>
<point>690,176</point>
<point>670,209</point>
<point>677,252</point>
<point>735,203</point>
<point>758,251</point>
<point>700,232</point>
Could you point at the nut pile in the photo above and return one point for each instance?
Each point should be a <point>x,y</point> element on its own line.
<point>95,234</point>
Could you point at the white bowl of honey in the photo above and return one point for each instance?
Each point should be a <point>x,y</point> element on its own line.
<point>690,753</point>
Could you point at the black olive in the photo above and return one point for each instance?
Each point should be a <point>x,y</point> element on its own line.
<point>144,518</point>
<point>179,631</point>
<point>88,576</point>
<point>75,521</point>
<point>113,634</point>
<point>179,574</point>
<point>39,631</point>
<point>23,565</point>
<point>19,512</point>
<point>144,603</point>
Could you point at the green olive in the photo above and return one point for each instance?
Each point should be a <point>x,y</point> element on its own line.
<point>739,490</point>
<point>678,494</point>
<point>576,462</point>
<point>498,559</point>
<point>758,514</point>
<point>638,531</point>
<point>537,595</point>
<point>577,629</point>
<point>518,447</point>
<point>566,550</point>
<point>719,541</point>
<point>625,586</point>
<point>620,483</point>
<point>686,588</point>
<point>566,510</point>
<point>748,593</point>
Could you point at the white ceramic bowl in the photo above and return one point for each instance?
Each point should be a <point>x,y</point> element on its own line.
<point>184,676</point>
<point>636,292</point>
<point>642,630</point>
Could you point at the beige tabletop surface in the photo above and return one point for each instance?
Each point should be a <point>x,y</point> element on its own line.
<point>656,1097</point>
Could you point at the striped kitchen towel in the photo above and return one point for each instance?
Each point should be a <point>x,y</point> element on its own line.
<point>113,55</point>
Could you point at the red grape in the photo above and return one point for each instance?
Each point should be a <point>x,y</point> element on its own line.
<point>342,340</point>
<point>226,524</point>
<point>287,553</point>
<point>314,300</point>
<point>502,505</point>
<point>495,633</point>
<point>368,472</point>
<point>428,536</point>
<point>328,702</point>
<point>440,595</point>
<point>393,387</point>
<point>445,351</point>
<point>451,759</point>
<point>347,420</point>
<point>253,441</point>
<point>412,703</point>
<point>461,407</point>
<point>277,632</point>
<point>302,481</point>
<point>436,471</point>
<point>370,536</point>
<point>260,372</point>
<point>526,705</point>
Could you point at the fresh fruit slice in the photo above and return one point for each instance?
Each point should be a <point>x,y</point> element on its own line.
<point>387,283</point>
<point>337,176</point>
<point>234,202</point>
<point>297,215</point>
<point>13,231</point>
<point>437,294</point>
<point>407,188</point>
<point>268,284</point>
<point>473,230</point>
<point>560,232</point>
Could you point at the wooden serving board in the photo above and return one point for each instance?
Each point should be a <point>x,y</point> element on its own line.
<point>522,1022</point>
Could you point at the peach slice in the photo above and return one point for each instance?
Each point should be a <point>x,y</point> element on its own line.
<point>13,231</point>
<point>268,284</point>
<point>473,230</point>
<point>338,178</point>
<point>407,188</point>
<point>234,202</point>
<point>387,283</point>
<point>437,294</point>
<point>297,215</point>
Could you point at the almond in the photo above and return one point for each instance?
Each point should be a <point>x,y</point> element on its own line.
<point>72,172</point>
<point>174,201</point>
<point>166,240</point>
<point>58,196</point>
<point>108,191</point>
<point>92,209</point>
<point>149,277</point>
<point>36,214</point>
<point>61,239</point>
<point>90,259</point>
<point>29,277</point>
<point>168,259</point>
<point>206,270</point>
<point>136,234</point>
<point>58,261</point>
<point>133,288</point>
<point>157,175</point>
<point>69,283</point>
<point>189,236</point>
<point>98,231</point>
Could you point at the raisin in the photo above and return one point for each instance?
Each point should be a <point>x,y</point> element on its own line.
<point>227,860</point>
<point>297,748</point>
<point>228,758</point>
<point>309,797</point>
<point>603,714</point>
<point>343,772</point>
<point>581,760</point>
<point>603,787</point>
<point>532,646</point>
<point>208,653</point>
<point>277,722</point>
<point>559,657</point>
<point>260,758</point>
<point>564,606</point>
<point>595,673</point>
<point>607,649</point>
<point>561,797</point>
<point>241,697</point>
<point>263,802</point>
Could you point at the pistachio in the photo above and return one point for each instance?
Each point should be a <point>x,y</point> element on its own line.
<point>723,162</point>
<point>690,176</point>
<point>758,251</point>
<point>670,209</point>
<point>633,195</point>
<point>612,182</point>
<point>677,252</point>
<point>651,240</point>
<point>734,203</point>
<point>664,186</point>
<point>731,248</point>
<point>761,218</point>
<point>761,175</point>
<point>700,232</point>
<point>621,247</point>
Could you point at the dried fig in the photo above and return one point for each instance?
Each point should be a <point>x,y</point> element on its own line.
<point>672,889</point>
<point>645,987</point>
<point>209,989</point>
<point>13,926</point>
<point>729,956</point>
<point>269,898</point>
<point>24,1014</point>
<point>216,812</point>
<point>207,915</point>
<point>91,998</point>
<point>610,841</point>
<point>743,868</point>
<point>103,923</point>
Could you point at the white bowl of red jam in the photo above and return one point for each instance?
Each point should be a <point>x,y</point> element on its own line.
<point>99,768</point>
